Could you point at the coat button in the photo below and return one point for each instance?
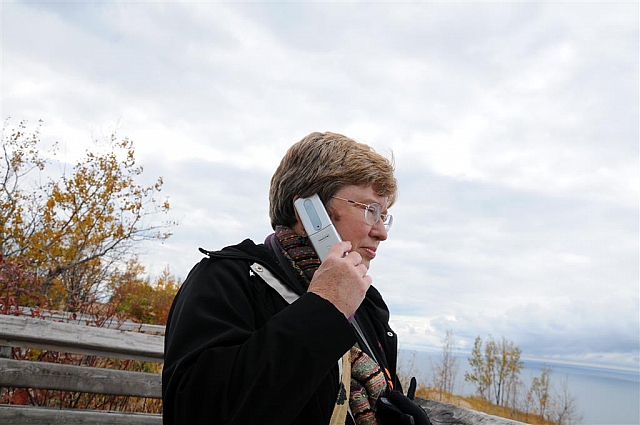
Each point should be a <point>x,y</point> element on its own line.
<point>390,334</point>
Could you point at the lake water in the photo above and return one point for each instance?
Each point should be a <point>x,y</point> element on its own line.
<point>603,396</point>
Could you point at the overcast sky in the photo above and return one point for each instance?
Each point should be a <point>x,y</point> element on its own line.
<point>514,127</point>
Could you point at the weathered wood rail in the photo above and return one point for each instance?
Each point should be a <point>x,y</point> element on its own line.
<point>27,332</point>
<point>448,414</point>
<point>113,342</point>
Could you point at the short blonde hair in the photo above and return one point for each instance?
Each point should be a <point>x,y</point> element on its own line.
<point>324,163</point>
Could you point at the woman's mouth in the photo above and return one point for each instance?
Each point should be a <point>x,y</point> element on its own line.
<point>370,252</point>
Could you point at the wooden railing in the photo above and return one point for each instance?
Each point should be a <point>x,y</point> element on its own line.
<point>448,414</point>
<point>111,341</point>
<point>107,342</point>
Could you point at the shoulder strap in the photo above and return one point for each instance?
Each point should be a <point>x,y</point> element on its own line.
<point>284,291</point>
<point>344,364</point>
<point>368,349</point>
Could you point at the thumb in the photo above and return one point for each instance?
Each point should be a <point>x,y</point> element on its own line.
<point>411,392</point>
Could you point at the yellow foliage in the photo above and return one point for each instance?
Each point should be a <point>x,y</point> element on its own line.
<point>138,299</point>
<point>75,230</point>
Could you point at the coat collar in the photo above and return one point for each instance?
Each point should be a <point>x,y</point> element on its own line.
<point>249,251</point>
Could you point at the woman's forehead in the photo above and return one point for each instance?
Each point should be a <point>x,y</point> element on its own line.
<point>364,194</point>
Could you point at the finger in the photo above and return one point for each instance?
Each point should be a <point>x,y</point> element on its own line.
<point>355,258</point>
<point>362,269</point>
<point>340,249</point>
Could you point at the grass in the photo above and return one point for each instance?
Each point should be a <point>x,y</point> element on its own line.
<point>480,405</point>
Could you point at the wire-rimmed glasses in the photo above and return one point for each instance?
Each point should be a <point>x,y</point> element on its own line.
<point>372,213</point>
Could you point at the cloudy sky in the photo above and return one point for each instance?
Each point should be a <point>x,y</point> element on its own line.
<point>514,127</point>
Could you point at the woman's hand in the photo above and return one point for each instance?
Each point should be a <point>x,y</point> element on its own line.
<point>342,279</point>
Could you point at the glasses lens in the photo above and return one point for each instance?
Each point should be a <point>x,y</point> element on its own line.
<point>387,221</point>
<point>372,213</point>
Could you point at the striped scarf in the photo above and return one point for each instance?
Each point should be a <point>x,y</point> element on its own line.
<point>367,379</point>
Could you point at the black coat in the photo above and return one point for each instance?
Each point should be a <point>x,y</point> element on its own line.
<point>237,353</point>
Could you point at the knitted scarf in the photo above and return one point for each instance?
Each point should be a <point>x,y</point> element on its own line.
<point>367,380</point>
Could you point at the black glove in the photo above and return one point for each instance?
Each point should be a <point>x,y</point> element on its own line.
<point>388,414</point>
<point>396,408</point>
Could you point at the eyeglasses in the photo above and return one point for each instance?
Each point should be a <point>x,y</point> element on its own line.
<point>372,213</point>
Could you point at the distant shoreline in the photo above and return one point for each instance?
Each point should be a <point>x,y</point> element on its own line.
<point>605,393</point>
<point>627,368</point>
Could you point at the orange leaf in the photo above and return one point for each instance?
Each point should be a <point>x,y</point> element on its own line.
<point>20,396</point>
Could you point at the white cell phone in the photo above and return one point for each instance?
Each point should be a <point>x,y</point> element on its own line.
<point>316,222</point>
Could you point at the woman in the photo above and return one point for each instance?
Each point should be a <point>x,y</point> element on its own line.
<point>237,351</point>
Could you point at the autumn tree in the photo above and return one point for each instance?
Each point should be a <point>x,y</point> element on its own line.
<point>565,410</point>
<point>20,157</point>
<point>507,369</point>
<point>479,374</point>
<point>558,407</point>
<point>75,229</point>
<point>539,394</point>
<point>512,388</point>
<point>139,298</point>
<point>17,287</point>
<point>445,371</point>
<point>495,372</point>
